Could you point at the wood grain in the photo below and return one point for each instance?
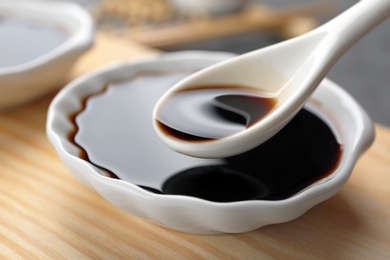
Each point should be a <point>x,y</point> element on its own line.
<point>45,213</point>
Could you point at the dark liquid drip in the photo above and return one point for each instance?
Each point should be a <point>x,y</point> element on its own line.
<point>72,135</point>
<point>24,41</point>
<point>212,112</point>
<point>302,153</point>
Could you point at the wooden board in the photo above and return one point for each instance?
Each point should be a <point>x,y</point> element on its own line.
<point>46,213</point>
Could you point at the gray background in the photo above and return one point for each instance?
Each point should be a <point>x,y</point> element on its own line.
<point>364,71</point>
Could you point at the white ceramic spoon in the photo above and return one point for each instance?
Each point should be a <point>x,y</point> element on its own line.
<point>290,70</point>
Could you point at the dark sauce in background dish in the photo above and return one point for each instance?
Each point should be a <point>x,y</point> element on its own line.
<point>23,41</point>
<point>114,129</point>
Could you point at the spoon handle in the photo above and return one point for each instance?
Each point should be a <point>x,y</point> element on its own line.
<point>346,29</point>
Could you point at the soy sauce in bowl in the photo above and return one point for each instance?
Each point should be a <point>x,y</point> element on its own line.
<point>114,131</point>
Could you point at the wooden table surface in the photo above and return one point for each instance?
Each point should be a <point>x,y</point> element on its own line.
<point>46,213</point>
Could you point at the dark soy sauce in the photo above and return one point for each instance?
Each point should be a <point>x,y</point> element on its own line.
<point>114,131</point>
<point>23,41</point>
<point>300,154</point>
<point>212,112</point>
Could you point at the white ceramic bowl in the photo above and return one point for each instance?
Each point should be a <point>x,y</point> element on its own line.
<point>23,82</point>
<point>349,121</point>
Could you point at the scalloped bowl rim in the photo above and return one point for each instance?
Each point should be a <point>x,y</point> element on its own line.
<point>231,217</point>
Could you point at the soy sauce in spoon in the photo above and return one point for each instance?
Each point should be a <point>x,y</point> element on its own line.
<point>205,113</point>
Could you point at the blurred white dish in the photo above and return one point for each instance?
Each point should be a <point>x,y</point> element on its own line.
<point>26,79</point>
<point>350,123</point>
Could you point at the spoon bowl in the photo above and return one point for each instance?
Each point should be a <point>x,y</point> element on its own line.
<point>289,72</point>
